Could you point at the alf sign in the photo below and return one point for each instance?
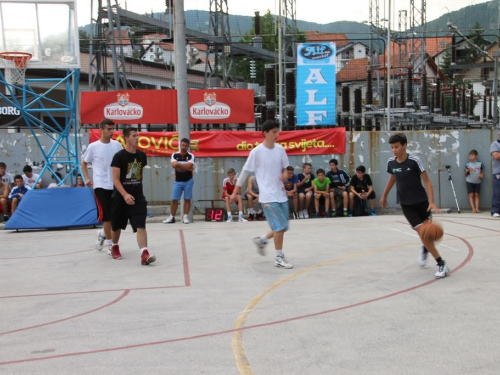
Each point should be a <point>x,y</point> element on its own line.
<point>316,84</point>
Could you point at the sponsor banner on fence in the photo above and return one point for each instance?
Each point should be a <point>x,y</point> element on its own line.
<point>316,83</point>
<point>129,107</point>
<point>237,143</point>
<point>221,106</point>
<point>160,106</point>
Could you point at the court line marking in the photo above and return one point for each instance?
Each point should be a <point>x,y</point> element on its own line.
<point>242,363</point>
<point>48,256</point>
<point>116,300</point>
<point>217,333</point>
<point>185,267</point>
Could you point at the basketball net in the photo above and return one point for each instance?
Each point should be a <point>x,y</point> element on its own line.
<point>15,66</point>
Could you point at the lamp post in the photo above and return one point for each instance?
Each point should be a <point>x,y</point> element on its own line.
<point>388,122</point>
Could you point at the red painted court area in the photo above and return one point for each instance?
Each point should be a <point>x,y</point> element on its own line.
<point>211,304</point>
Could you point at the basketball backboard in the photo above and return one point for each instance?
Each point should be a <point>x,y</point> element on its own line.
<point>45,28</point>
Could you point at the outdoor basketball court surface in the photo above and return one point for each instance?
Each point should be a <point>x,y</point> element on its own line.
<point>355,303</point>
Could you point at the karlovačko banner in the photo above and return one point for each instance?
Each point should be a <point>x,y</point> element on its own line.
<point>160,106</point>
<point>237,143</point>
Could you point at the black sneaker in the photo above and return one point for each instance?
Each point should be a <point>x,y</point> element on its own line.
<point>251,217</point>
<point>5,218</point>
<point>260,217</point>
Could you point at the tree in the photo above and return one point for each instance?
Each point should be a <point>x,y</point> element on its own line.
<point>445,65</point>
<point>476,37</point>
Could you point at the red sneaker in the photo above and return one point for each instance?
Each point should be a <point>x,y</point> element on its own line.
<point>115,252</point>
<point>260,217</point>
<point>147,258</point>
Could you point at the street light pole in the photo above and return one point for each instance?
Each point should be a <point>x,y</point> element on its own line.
<point>388,122</point>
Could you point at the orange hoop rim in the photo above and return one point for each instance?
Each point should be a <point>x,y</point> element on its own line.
<point>20,59</point>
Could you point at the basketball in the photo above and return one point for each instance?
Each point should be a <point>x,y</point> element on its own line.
<point>431,231</point>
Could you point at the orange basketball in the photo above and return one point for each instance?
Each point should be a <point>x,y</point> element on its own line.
<point>432,231</point>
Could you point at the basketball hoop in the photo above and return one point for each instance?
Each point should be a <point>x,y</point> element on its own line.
<point>15,66</point>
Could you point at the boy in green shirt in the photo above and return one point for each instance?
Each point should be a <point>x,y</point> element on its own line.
<point>321,186</point>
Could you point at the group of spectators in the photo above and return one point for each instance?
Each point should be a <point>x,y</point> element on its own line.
<point>354,194</point>
<point>13,188</point>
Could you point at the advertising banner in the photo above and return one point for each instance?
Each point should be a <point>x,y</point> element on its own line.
<point>316,82</point>
<point>221,106</point>
<point>129,107</point>
<point>10,115</point>
<point>160,106</point>
<point>237,143</point>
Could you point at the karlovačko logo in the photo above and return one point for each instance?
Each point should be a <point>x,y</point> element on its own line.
<point>210,108</point>
<point>316,52</point>
<point>123,109</point>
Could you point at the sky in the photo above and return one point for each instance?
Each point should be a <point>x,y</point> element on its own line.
<point>320,11</point>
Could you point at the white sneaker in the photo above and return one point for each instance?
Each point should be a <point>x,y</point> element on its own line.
<point>301,214</point>
<point>185,219</point>
<point>261,247</point>
<point>241,219</point>
<point>170,220</point>
<point>100,241</point>
<point>229,219</point>
<point>496,214</point>
<point>306,214</point>
<point>422,257</point>
<point>443,271</point>
<point>281,262</point>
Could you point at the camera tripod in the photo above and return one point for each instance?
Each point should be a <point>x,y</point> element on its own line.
<point>448,168</point>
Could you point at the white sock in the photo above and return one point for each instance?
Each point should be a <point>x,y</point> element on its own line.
<point>260,211</point>
<point>251,211</point>
<point>263,239</point>
<point>240,213</point>
<point>109,242</point>
<point>114,244</point>
<point>279,253</point>
<point>144,248</point>
<point>102,234</point>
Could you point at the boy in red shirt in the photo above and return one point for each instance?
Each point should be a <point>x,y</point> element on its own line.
<point>227,189</point>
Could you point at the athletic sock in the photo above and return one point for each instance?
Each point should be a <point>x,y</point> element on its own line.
<point>251,211</point>
<point>142,249</point>
<point>263,239</point>
<point>260,211</point>
<point>279,253</point>
<point>240,213</point>
<point>440,261</point>
<point>114,244</point>
<point>109,242</point>
<point>102,234</point>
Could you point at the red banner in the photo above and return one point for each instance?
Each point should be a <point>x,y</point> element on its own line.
<point>229,106</point>
<point>221,106</point>
<point>238,143</point>
<point>129,107</point>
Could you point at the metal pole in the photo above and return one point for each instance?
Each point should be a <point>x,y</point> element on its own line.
<point>388,123</point>
<point>181,78</point>
<point>495,91</point>
<point>280,66</point>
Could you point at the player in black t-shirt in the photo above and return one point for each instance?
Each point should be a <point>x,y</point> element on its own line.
<point>128,201</point>
<point>406,172</point>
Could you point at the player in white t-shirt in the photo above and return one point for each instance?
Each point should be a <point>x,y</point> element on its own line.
<point>30,178</point>
<point>269,161</point>
<point>100,155</point>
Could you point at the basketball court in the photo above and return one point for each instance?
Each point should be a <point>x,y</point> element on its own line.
<point>355,302</point>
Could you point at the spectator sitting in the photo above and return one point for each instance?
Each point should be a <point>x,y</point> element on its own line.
<point>79,181</point>
<point>30,178</point>
<point>320,185</point>
<point>227,190</point>
<point>361,187</point>
<point>338,186</point>
<point>305,190</point>
<point>55,182</point>
<point>4,199</point>
<point>18,192</point>
<point>291,190</point>
<point>5,176</point>
<point>252,195</point>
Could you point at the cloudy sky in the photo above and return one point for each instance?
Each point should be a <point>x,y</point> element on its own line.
<point>321,11</point>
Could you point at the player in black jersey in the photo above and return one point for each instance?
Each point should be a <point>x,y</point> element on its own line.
<point>407,172</point>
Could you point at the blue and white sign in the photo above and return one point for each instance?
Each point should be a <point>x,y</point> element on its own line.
<point>316,84</point>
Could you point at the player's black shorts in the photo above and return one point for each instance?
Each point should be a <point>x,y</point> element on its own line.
<point>473,188</point>
<point>416,214</point>
<point>103,199</point>
<point>121,213</point>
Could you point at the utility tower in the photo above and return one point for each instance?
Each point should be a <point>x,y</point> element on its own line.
<point>290,25</point>
<point>223,58</point>
<point>106,40</point>
<point>418,21</point>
